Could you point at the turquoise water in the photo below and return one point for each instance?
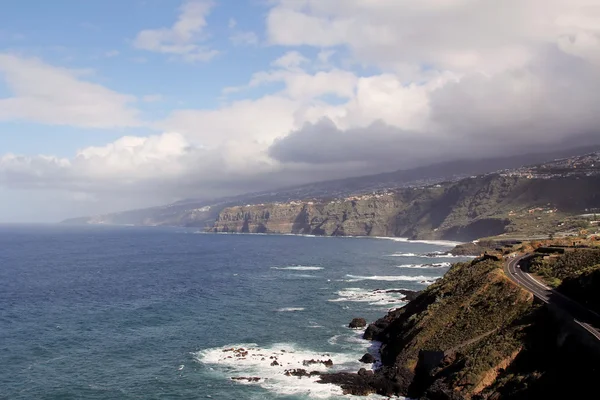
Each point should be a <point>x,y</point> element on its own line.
<point>145,313</point>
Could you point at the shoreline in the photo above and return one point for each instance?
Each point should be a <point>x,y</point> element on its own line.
<point>444,243</point>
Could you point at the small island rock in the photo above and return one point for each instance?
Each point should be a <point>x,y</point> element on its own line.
<point>357,323</point>
<point>367,359</point>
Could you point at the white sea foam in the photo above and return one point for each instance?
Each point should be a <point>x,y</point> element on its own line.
<point>445,243</point>
<point>391,278</point>
<point>445,254</point>
<point>405,255</point>
<point>305,276</point>
<point>290,309</point>
<point>380,297</point>
<point>433,254</point>
<point>298,268</point>
<point>249,361</point>
<point>301,235</point>
<point>426,266</point>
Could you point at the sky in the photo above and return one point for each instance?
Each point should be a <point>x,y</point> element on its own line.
<point>112,105</point>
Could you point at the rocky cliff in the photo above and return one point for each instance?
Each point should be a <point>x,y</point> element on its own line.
<point>464,210</point>
<point>474,335</point>
<point>360,217</point>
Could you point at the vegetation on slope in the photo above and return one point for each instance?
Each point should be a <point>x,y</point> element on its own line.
<point>559,267</point>
<point>469,322</point>
<point>475,334</point>
<point>584,288</point>
<point>465,210</point>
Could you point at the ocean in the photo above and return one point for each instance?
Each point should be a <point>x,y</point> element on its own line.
<point>99,312</point>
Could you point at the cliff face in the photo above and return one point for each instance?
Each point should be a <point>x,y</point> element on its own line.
<point>464,210</point>
<point>474,335</point>
<point>373,217</point>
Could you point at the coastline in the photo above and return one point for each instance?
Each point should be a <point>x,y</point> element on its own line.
<point>444,243</point>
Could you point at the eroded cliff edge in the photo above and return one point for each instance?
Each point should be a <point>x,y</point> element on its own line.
<point>474,334</point>
<point>465,210</point>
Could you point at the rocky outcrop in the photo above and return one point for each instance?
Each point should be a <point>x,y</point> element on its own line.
<point>367,359</point>
<point>473,335</point>
<point>409,295</point>
<point>357,323</point>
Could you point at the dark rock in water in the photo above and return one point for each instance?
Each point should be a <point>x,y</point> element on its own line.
<point>299,372</point>
<point>327,363</point>
<point>243,378</point>
<point>362,384</point>
<point>409,295</point>
<point>433,255</point>
<point>375,329</point>
<point>296,372</point>
<point>357,323</point>
<point>350,383</point>
<point>367,359</point>
<point>274,363</point>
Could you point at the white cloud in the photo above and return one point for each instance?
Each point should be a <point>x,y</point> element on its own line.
<point>244,38</point>
<point>184,38</point>
<point>460,35</point>
<point>59,96</point>
<point>300,84</point>
<point>290,60</point>
<point>244,121</point>
<point>167,165</point>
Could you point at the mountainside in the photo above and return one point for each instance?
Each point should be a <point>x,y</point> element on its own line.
<point>464,210</point>
<point>475,334</point>
<point>202,213</point>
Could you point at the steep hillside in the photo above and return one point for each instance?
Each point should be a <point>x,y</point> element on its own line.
<point>464,210</point>
<point>186,213</point>
<point>474,335</point>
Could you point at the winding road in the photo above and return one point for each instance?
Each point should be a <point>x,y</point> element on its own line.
<point>582,316</point>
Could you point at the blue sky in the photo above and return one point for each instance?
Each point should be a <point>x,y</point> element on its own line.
<point>108,105</point>
<point>98,35</point>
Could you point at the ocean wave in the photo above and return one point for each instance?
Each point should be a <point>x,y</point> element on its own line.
<point>298,268</point>
<point>404,255</point>
<point>270,363</point>
<point>379,297</point>
<point>290,309</point>
<point>303,276</point>
<point>426,266</point>
<point>391,278</point>
<point>433,254</point>
<point>445,243</point>
<point>444,254</point>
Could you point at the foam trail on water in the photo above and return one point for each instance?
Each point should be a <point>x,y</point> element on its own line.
<point>425,266</point>
<point>390,278</point>
<point>298,268</point>
<point>404,255</point>
<point>290,309</point>
<point>445,243</point>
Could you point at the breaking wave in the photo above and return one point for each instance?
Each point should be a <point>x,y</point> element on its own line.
<point>391,278</point>
<point>298,268</point>
<point>248,364</point>
<point>379,297</point>
<point>426,266</point>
